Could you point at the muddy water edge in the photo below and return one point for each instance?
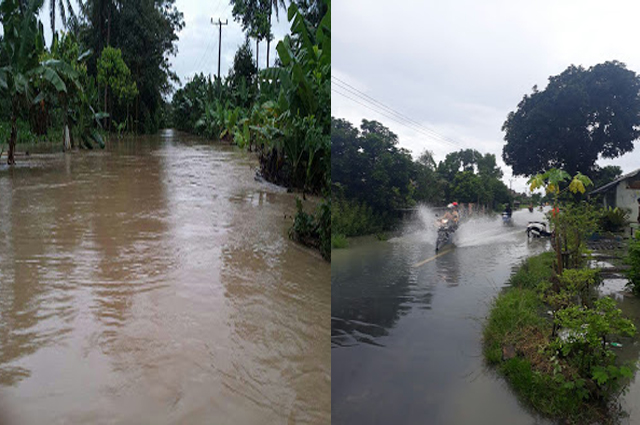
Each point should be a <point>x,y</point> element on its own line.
<point>154,283</point>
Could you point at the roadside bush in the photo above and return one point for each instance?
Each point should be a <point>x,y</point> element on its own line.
<point>339,241</point>
<point>352,218</point>
<point>633,259</point>
<point>549,337</point>
<point>313,230</point>
<point>613,219</point>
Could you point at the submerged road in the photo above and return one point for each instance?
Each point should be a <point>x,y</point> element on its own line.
<point>154,283</point>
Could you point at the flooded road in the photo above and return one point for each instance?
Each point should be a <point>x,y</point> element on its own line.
<point>154,283</point>
<point>406,340</point>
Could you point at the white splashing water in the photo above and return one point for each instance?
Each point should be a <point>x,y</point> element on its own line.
<point>473,231</point>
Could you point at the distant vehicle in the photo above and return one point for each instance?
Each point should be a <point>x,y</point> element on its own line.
<point>506,218</point>
<point>537,229</point>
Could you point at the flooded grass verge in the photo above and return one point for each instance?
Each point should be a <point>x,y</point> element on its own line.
<point>551,343</point>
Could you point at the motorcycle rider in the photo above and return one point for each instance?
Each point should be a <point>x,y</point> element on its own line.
<point>452,213</point>
<point>507,210</point>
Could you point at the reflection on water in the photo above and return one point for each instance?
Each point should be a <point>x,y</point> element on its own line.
<point>155,282</point>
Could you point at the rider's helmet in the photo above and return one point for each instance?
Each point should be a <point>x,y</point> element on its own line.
<point>450,206</point>
<point>455,204</point>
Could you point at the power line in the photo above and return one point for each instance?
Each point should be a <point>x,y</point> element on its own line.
<point>370,100</point>
<point>397,117</point>
<point>391,117</point>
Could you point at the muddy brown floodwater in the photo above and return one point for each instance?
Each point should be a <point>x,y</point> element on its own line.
<point>154,283</point>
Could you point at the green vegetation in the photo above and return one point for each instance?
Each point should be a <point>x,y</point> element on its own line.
<point>613,219</point>
<point>115,77</point>
<point>54,92</point>
<point>571,222</point>
<point>282,112</point>
<point>633,260</point>
<point>374,181</point>
<point>548,335</point>
<point>339,241</point>
<point>591,111</point>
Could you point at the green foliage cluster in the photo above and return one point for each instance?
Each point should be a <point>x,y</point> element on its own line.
<point>633,260</point>
<point>573,224</point>
<point>58,87</point>
<point>36,80</point>
<point>372,174</point>
<point>353,218</point>
<point>114,74</point>
<point>592,111</point>
<point>283,113</point>
<point>313,230</point>
<point>146,32</point>
<point>572,221</point>
<point>613,219</point>
<point>562,363</point>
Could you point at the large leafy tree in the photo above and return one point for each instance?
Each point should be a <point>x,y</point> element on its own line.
<point>146,33</point>
<point>114,75</point>
<point>470,176</point>
<point>254,16</point>
<point>581,114</point>
<point>243,74</point>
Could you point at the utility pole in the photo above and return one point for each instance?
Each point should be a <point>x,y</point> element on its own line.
<point>219,24</point>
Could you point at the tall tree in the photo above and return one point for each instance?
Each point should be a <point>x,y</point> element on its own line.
<point>254,16</point>
<point>274,7</point>
<point>146,33</point>
<point>64,8</point>
<point>581,114</point>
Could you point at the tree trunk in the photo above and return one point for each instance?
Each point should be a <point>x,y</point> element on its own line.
<point>12,140</point>
<point>257,53</point>
<point>269,38</point>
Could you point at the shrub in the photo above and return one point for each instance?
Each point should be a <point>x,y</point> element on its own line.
<point>339,241</point>
<point>352,218</point>
<point>633,259</point>
<point>613,219</point>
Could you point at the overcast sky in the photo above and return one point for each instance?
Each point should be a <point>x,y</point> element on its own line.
<point>458,67</point>
<point>198,41</point>
<point>198,44</point>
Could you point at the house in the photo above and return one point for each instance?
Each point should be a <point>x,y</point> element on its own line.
<point>622,193</point>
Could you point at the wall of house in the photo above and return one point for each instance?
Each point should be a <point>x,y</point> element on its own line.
<point>626,198</point>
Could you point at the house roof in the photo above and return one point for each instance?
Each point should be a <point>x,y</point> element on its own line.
<point>614,183</point>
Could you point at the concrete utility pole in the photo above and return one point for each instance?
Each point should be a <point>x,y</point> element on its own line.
<point>220,24</point>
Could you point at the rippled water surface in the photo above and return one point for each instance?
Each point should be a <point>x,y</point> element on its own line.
<point>154,283</point>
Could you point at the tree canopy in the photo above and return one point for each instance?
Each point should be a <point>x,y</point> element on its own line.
<point>146,32</point>
<point>581,115</point>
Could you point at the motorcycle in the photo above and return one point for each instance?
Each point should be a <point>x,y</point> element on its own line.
<point>506,218</point>
<point>446,229</point>
<point>538,229</point>
<point>530,208</point>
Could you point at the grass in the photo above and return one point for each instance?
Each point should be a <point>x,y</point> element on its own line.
<point>517,341</point>
<point>534,271</point>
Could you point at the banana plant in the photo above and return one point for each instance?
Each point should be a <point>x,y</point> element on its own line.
<point>20,52</point>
